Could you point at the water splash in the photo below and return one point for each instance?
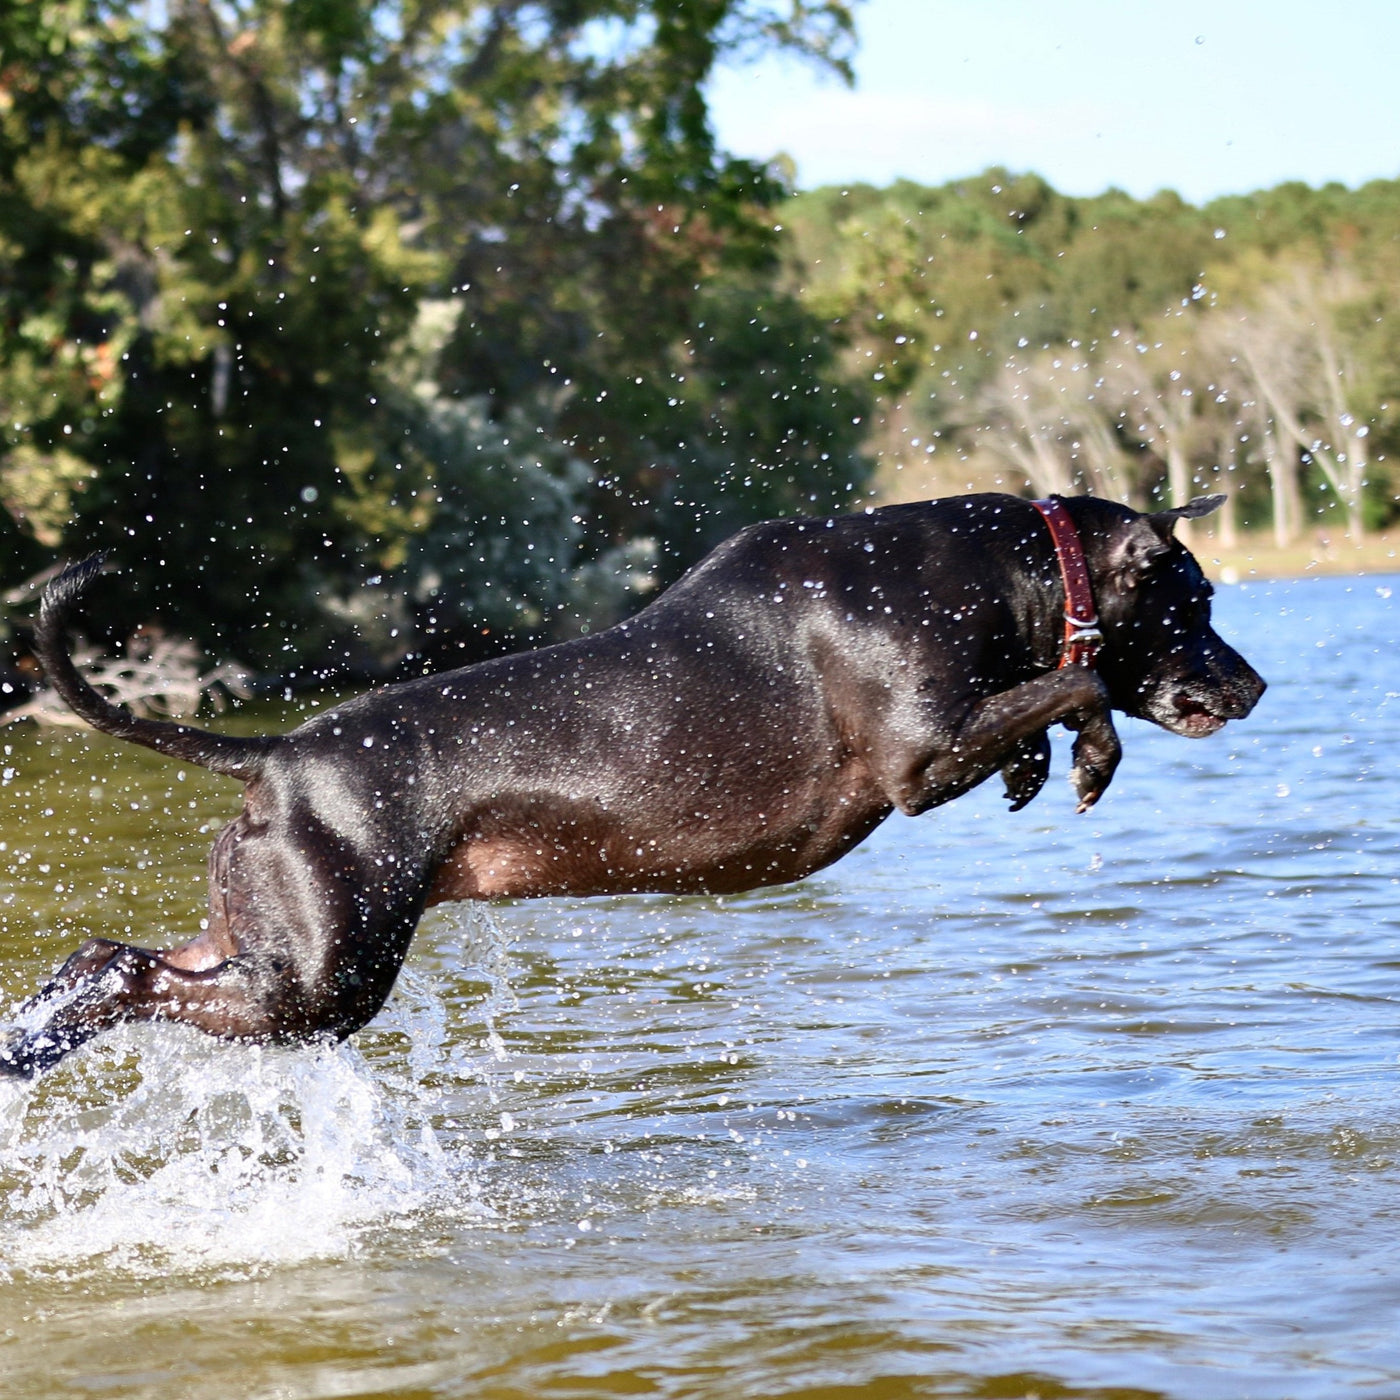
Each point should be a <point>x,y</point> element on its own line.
<point>470,937</point>
<point>158,1148</point>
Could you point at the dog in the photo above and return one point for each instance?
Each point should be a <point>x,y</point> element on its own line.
<point>751,725</point>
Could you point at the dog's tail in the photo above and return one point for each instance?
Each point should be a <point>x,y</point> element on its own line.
<point>221,753</point>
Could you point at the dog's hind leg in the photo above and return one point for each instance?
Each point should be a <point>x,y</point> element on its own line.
<point>303,943</point>
<point>103,983</point>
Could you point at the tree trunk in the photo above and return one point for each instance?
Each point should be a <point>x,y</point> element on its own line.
<point>1282,459</point>
<point>1227,526</point>
<point>1356,482</point>
<point>1179,484</point>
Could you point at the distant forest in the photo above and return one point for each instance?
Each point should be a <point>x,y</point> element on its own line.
<point>372,336</point>
<point>1143,350</point>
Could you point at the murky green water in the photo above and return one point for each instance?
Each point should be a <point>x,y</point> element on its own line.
<point>1001,1105</point>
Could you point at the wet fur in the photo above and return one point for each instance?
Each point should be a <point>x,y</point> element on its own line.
<point>750,726</point>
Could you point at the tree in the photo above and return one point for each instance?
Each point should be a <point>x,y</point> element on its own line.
<point>1149,384</point>
<point>1308,373</point>
<point>1051,420</point>
<point>953,297</point>
<point>232,211</point>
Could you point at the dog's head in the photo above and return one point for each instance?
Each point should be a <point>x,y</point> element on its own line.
<point>1161,659</point>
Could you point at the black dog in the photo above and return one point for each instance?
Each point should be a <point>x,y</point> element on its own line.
<point>749,727</point>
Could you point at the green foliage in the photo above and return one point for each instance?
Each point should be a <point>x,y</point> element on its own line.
<point>357,327</point>
<point>503,545</point>
<point>224,225</point>
<point>756,423</point>
<point>998,318</point>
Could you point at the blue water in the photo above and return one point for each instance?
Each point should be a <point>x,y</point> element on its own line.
<point>1001,1105</point>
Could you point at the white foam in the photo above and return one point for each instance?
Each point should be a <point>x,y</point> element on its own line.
<point>158,1148</point>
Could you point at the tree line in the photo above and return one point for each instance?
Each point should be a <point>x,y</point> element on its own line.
<point>375,335</point>
<point>357,327</point>
<point>1144,350</point>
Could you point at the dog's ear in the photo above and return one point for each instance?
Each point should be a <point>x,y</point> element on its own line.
<point>1133,549</point>
<point>1164,521</point>
<point>1150,536</point>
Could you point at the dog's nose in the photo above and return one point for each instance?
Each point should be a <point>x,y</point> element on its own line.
<point>1244,690</point>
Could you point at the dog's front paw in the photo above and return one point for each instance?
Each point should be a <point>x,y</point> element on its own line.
<point>1096,756</point>
<point>1026,770</point>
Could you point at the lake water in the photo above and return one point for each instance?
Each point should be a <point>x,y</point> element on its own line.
<point>1002,1105</point>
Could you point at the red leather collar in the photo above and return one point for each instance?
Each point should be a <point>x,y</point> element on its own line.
<point>1082,638</point>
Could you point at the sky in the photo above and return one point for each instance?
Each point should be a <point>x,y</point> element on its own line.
<point>1204,99</point>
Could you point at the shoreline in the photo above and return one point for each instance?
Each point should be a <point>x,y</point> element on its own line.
<point>1254,555</point>
<point>1258,557</point>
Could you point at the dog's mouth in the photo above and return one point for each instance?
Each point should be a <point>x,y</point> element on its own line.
<point>1190,718</point>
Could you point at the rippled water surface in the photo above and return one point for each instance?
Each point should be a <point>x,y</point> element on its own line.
<point>1001,1105</point>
